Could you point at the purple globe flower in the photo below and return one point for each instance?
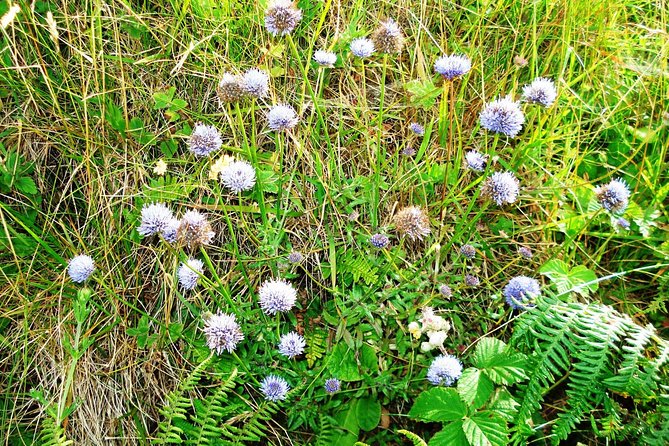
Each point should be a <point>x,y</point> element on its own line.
<point>256,83</point>
<point>468,251</point>
<point>292,344</point>
<point>417,128</point>
<point>276,296</point>
<point>379,241</point>
<point>332,385</point>
<point>472,281</point>
<point>204,140</point>
<point>541,91</point>
<point>614,197</point>
<point>281,17</point>
<point>503,116</point>
<point>222,332</point>
<point>362,47</point>
<point>501,187</point>
<point>189,273</point>
<point>445,291</point>
<point>155,219</point>
<point>80,268</point>
<point>238,176</point>
<point>170,231</point>
<point>325,58</point>
<point>476,161</point>
<point>274,388</point>
<point>444,370</point>
<point>282,117</point>
<point>520,291</point>
<point>453,66</point>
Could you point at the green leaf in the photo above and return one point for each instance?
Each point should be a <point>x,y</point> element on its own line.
<point>347,420</point>
<point>163,99</point>
<point>438,404</point>
<point>343,364</point>
<point>474,387</point>
<point>503,404</point>
<point>141,332</point>
<point>486,429</point>
<point>26,185</point>
<point>114,116</point>
<point>493,357</point>
<point>451,435</point>
<point>422,93</point>
<point>368,412</point>
<point>579,279</point>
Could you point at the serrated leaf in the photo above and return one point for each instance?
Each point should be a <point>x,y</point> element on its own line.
<point>579,279</point>
<point>422,93</point>
<point>26,185</point>
<point>486,429</point>
<point>493,357</point>
<point>451,435</point>
<point>503,404</point>
<point>163,99</point>
<point>368,413</point>
<point>438,404</point>
<point>474,387</point>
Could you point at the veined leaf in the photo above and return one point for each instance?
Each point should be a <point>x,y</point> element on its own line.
<point>438,404</point>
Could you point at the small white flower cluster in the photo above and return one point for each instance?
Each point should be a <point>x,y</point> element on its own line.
<point>433,326</point>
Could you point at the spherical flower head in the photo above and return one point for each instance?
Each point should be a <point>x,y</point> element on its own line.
<point>194,230</point>
<point>503,116</point>
<point>189,273</point>
<point>623,223</point>
<point>295,257</point>
<point>379,241</point>
<point>468,251</point>
<point>230,88</point>
<point>541,91</point>
<point>476,161</point>
<point>417,128</point>
<point>472,281</point>
<point>614,197</point>
<point>325,58</point>
<point>222,332</point>
<point>362,47</point>
<point>332,385</point>
<point>446,291</point>
<point>525,252</point>
<point>169,233</point>
<point>292,344</point>
<point>204,140</point>
<point>80,268</point>
<point>274,388</point>
<point>281,17</point>
<point>408,151</point>
<point>412,222</point>
<point>520,291</point>
<point>238,176</point>
<point>453,66</point>
<point>155,218</point>
<point>256,83</point>
<point>388,37</point>
<point>444,370</point>
<point>282,117</point>
<point>501,187</point>
<point>276,295</point>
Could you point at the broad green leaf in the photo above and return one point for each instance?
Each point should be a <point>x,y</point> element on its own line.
<point>451,435</point>
<point>493,357</point>
<point>422,93</point>
<point>347,420</point>
<point>579,279</point>
<point>438,404</point>
<point>163,99</point>
<point>345,364</point>
<point>474,387</point>
<point>26,185</point>
<point>503,404</point>
<point>487,351</point>
<point>486,429</point>
<point>368,413</point>
<point>643,217</point>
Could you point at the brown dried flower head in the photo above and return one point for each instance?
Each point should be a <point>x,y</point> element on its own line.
<point>412,222</point>
<point>388,37</point>
<point>194,230</point>
<point>230,88</point>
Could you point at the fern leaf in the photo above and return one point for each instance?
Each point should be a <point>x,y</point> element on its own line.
<point>316,346</point>
<point>415,439</point>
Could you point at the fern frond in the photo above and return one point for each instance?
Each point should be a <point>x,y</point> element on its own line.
<point>316,346</point>
<point>360,267</point>
<point>415,439</point>
<point>327,435</point>
<point>213,411</point>
<point>53,434</point>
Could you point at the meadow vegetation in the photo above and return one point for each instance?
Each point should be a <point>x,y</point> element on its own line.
<point>366,251</point>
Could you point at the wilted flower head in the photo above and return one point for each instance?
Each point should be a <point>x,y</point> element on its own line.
<point>194,230</point>
<point>230,88</point>
<point>332,385</point>
<point>170,231</point>
<point>155,218</point>
<point>204,140</point>
<point>292,344</point>
<point>362,47</point>
<point>295,257</point>
<point>238,176</point>
<point>614,197</point>
<point>520,291</point>
<point>519,61</point>
<point>281,17</point>
<point>503,116</point>
<point>468,251</point>
<point>408,151</point>
<point>417,128</point>
<point>444,370</point>
<point>256,83</point>
<point>80,268</point>
<point>189,273</point>
<point>525,252</point>
<point>476,161</point>
<point>472,281</point>
<point>388,37</point>
<point>541,90</point>
<point>325,58</point>
<point>274,388</point>
<point>379,241</point>
<point>501,187</point>
<point>452,66</point>
<point>445,291</point>
<point>412,222</point>
<point>223,332</point>
<point>276,295</point>
<point>282,117</point>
